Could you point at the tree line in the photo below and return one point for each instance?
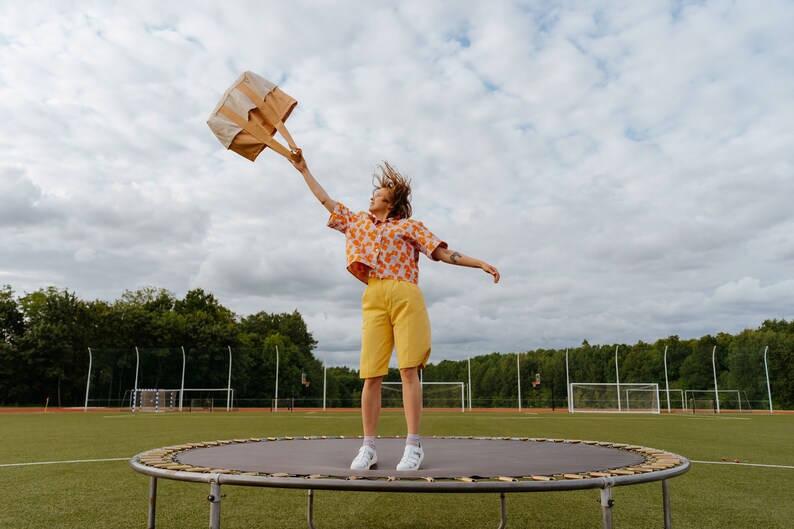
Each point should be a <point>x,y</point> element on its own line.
<point>45,337</point>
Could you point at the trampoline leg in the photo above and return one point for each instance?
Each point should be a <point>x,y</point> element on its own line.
<point>215,505</point>
<point>668,522</point>
<point>606,507</point>
<point>152,502</point>
<point>310,514</point>
<point>503,523</point>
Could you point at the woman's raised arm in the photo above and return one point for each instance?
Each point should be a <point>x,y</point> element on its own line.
<point>314,185</point>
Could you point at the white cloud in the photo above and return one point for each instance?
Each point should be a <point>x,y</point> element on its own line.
<point>748,290</point>
<point>626,166</point>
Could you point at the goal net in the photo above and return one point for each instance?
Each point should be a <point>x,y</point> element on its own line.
<point>613,398</point>
<point>710,401</point>
<point>188,399</point>
<point>283,404</point>
<point>155,400</point>
<point>208,399</point>
<point>434,395</point>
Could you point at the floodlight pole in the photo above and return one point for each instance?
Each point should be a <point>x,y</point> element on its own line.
<point>766,369</point>
<point>469,360</point>
<point>666,382</point>
<point>568,384</point>
<point>229,384</point>
<point>276,407</point>
<point>135,387</point>
<point>714,368</point>
<point>182,387</point>
<point>88,381</point>
<point>325,372</point>
<point>617,377</point>
<point>518,371</point>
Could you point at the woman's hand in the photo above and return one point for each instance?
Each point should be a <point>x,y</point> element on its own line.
<point>491,270</point>
<point>298,161</point>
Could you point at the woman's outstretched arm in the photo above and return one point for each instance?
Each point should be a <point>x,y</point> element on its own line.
<point>314,185</point>
<point>456,258</point>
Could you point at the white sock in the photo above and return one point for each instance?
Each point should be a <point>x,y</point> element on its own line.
<point>412,439</point>
<point>369,440</point>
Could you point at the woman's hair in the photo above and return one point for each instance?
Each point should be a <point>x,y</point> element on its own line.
<point>399,189</point>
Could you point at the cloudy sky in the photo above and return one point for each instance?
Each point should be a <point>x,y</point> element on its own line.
<point>628,166</point>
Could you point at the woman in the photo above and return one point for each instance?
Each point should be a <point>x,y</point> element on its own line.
<point>383,248</point>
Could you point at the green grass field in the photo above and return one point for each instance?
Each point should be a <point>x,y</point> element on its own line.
<point>109,494</point>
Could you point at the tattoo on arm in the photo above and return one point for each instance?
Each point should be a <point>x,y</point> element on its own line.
<point>454,257</point>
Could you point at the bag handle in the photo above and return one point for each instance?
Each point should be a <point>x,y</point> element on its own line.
<point>269,113</point>
<point>258,133</point>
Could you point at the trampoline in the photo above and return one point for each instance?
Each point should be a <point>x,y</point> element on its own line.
<point>452,465</point>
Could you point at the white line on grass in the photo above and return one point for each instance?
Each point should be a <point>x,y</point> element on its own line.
<point>61,462</point>
<point>195,416</point>
<point>712,418</point>
<point>475,417</point>
<point>742,464</point>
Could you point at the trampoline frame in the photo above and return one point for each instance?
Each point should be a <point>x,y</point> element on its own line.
<point>605,481</point>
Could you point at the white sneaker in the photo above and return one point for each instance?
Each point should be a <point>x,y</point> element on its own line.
<point>412,458</point>
<point>366,458</point>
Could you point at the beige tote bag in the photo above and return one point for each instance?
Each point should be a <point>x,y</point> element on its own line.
<point>248,116</point>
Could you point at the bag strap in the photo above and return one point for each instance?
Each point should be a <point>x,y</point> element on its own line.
<point>257,132</point>
<point>269,113</point>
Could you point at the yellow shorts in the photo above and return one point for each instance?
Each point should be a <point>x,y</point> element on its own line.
<point>394,316</point>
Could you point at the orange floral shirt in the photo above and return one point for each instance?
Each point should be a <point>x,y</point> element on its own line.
<point>388,249</point>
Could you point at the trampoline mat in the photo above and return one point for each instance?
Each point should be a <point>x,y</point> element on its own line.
<point>445,458</point>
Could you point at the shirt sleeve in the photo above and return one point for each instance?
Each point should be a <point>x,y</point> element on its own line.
<point>341,217</point>
<point>424,240</point>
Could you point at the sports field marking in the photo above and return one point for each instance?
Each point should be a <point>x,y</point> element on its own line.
<point>712,418</point>
<point>247,416</point>
<point>64,462</point>
<point>470,418</point>
<point>655,417</point>
<point>741,464</point>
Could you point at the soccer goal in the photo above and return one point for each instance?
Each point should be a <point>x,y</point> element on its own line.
<point>192,399</point>
<point>613,398</point>
<point>434,395</point>
<point>208,399</point>
<point>283,404</point>
<point>155,400</point>
<point>707,400</point>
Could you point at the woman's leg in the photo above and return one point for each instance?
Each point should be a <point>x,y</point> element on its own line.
<point>370,412</point>
<point>412,403</point>
<point>412,398</point>
<point>370,405</point>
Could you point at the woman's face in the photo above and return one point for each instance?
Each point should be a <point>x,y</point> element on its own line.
<point>379,203</point>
